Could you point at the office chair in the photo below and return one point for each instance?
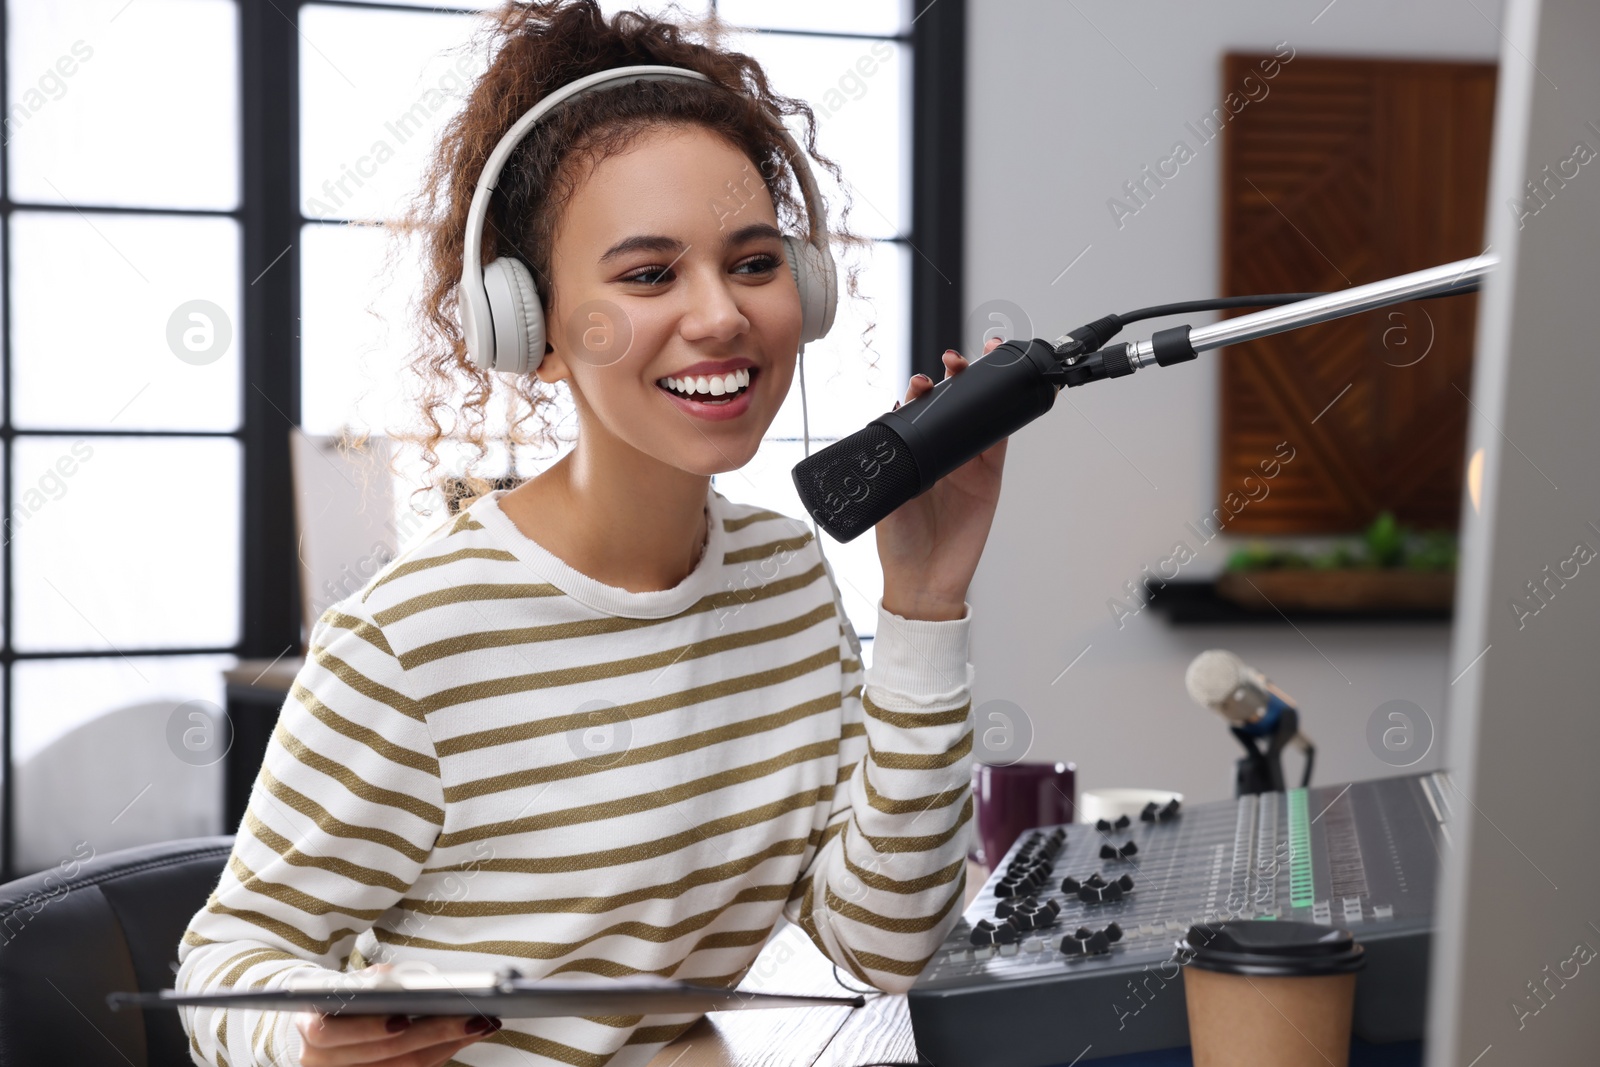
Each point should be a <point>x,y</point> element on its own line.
<point>115,925</point>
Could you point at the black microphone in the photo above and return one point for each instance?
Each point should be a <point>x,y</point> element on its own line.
<point>852,484</point>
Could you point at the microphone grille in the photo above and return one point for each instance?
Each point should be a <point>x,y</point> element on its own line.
<point>1213,676</point>
<point>852,484</point>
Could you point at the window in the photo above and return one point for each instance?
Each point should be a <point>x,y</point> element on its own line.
<point>191,169</point>
<point>121,434</point>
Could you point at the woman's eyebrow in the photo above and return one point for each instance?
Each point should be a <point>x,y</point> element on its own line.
<point>660,243</point>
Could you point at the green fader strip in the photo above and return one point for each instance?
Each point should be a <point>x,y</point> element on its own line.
<point>1301,888</point>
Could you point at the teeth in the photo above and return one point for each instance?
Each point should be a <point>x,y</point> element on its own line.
<point>717,385</point>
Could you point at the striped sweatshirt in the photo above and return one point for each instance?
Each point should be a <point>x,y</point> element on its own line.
<point>490,759</point>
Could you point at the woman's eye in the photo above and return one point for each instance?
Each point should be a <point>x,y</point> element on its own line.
<point>652,276</point>
<point>645,277</point>
<point>762,263</point>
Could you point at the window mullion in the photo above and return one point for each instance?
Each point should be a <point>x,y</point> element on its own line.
<point>269,96</point>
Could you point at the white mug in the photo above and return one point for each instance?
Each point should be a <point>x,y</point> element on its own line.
<point>1111,804</point>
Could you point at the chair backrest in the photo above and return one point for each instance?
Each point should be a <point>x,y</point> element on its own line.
<point>113,923</point>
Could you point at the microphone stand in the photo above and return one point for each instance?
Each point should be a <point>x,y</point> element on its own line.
<point>1262,771</point>
<point>1080,365</point>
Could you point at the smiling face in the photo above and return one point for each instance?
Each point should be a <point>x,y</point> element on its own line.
<point>667,263</point>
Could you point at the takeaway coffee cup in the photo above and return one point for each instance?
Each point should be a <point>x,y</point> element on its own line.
<point>1263,992</point>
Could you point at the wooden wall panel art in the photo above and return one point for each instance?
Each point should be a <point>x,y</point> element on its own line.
<point>1349,171</point>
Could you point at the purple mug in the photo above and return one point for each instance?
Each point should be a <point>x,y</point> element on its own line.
<point>1012,799</point>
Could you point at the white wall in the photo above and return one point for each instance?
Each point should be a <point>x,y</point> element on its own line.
<point>1066,102</point>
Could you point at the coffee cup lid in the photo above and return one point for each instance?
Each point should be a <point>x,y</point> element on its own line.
<point>1272,949</point>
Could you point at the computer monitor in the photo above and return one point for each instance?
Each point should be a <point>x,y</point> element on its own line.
<point>1516,978</point>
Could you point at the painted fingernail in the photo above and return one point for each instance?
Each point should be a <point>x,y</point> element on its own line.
<point>481,1025</point>
<point>896,406</point>
<point>396,1023</point>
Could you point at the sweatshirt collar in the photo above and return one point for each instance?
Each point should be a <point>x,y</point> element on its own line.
<point>611,600</point>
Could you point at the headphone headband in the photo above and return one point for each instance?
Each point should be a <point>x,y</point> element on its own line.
<point>477,320</point>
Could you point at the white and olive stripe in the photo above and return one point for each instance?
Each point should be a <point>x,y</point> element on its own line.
<point>490,760</point>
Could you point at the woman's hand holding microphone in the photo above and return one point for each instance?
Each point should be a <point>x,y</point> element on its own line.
<point>930,545</point>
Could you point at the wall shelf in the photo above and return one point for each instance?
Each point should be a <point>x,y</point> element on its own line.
<point>1196,603</point>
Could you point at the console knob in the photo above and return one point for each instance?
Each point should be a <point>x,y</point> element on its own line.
<point>1100,894</point>
<point>1086,943</point>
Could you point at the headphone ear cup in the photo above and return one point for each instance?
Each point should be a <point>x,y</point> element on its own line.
<point>517,315</point>
<point>817,279</point>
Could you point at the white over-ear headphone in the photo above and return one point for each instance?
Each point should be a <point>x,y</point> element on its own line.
<point>499,304</point>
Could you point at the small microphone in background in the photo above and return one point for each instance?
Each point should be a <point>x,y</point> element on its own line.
<point>1255,709</point>
<point>1221,681</point>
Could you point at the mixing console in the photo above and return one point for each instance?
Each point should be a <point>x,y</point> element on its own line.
<point>1070,949</point>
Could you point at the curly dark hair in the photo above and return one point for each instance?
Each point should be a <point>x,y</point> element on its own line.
<point>535,48</point>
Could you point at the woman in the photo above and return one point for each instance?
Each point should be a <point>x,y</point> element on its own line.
<point>610,722</point>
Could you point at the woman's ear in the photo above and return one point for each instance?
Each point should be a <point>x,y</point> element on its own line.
<point>553,366</point>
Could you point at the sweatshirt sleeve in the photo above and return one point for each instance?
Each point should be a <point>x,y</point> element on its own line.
<point>886,883</point>
<point>342,816</point>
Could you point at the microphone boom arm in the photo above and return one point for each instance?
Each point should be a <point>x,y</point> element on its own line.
<point>855,482</point>
<point>1182,343</point>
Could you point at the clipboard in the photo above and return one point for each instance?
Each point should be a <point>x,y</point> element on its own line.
<point>506,994</point>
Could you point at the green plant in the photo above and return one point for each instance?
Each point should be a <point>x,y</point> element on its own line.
<point>1386,541</point>
<point>1437,552</point>
<point>1259,557</point>
<point>1385,544</point>
<point>1339,557</point>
